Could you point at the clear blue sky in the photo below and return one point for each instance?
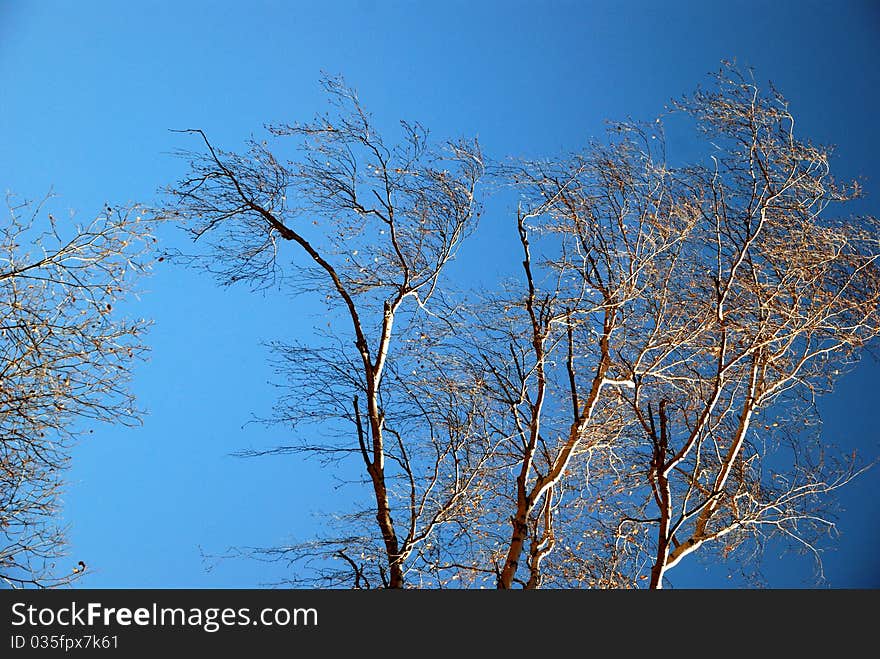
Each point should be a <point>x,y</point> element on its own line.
<point>88,91</point>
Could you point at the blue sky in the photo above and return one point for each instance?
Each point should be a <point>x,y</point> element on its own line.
<point>88,91</point>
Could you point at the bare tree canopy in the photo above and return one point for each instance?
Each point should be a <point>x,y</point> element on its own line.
<point>644,391</point>
<point>389,218</point>
<point>691,315</point>
<point>66,359</point>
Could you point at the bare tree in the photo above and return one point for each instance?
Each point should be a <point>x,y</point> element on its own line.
<point>388,220</point>
<point>788,298</point>
<point>713,296</point>
<point>65,355</point>
<point>645,390</point>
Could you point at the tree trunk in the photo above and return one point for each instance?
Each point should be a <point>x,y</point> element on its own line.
<point>517,541</point>
<point>386,526</point>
